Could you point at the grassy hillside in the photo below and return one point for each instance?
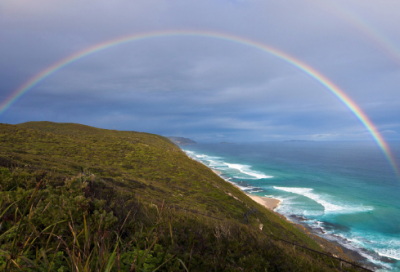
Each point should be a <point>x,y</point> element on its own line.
<point>78,198</point>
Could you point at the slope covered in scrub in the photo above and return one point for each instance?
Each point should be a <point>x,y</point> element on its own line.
<point>78,198</point>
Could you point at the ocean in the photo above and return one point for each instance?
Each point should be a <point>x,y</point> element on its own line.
<point>346,192</point>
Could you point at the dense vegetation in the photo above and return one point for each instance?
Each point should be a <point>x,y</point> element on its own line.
<point>78,198</point>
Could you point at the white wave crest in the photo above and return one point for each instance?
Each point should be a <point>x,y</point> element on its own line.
<point>389,247</point>
<point>328,206</point>
<point>210,161</point>
<point>390,253</point>
<point>254,191</point>
<point>217,163</point>
<point>245,169</point>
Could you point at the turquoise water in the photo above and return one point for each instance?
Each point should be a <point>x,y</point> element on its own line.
<point>346,191</point>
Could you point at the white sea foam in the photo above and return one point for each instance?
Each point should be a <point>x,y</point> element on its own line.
<point>254,191</point>
<point>355,244</point>
<point>292,205</point>
<point>191,154</point>
<point>389,246</point>
<point>370,256</point>
<point>210,161</point>
<point>390,253</point>
<point>372,246</point>
<point>217,163</point>
<point>243,188</point>
<point>316,224</point>
<point>245,169</point>
<point>329,207</point>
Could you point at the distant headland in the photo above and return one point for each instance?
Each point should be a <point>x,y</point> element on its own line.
<point>181,140</point>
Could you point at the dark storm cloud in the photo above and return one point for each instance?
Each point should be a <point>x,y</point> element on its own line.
<point>198,86</point>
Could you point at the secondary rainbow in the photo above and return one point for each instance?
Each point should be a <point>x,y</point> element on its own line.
<point>376,37</point>
<point>336,91</point>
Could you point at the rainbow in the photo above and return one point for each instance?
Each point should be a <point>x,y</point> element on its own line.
<point>336,91</point>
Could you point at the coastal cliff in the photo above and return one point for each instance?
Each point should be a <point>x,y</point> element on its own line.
<point>77,196</point>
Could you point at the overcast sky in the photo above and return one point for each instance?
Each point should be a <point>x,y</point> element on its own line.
<point>200,87</point>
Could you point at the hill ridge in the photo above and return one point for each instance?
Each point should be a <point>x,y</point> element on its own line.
<point>134,180</point>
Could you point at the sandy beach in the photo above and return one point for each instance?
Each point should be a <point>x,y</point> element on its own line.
<point>332,246</point>
<point>216,171</point>
<point>269,203</point>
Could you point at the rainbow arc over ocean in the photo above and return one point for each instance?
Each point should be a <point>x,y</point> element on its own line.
<point>320,78</point>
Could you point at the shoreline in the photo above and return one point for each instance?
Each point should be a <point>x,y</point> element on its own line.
<point>334,247</point>
<point>267,202</point>
<point>216,172</point>
<point>329,245</point>
<point>319,237</point>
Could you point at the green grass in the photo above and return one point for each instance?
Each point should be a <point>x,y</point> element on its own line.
<point>77,198</point>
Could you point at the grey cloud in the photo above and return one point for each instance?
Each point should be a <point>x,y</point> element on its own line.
<point>200,86</point>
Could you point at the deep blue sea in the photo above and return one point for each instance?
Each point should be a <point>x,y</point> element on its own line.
<point>346,192</point>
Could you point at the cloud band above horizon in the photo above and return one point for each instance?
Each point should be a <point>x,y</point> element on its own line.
<point>336,91</point>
